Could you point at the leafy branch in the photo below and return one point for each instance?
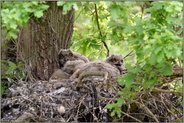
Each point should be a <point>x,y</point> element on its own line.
<point>104,43</point>
<point>14,15</point>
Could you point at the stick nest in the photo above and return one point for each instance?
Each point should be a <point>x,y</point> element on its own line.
<point>60,101</point>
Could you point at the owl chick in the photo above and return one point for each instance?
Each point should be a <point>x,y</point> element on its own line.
<point>111,68</point>
<point>71,66</point>
<point>65,55</point>
<point>59,74</point>
<point>68,62</point>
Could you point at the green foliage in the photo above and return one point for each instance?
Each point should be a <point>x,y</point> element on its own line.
<point>12,70</point>
<point>4,86</point>
<point>116,106</point>
<point>15,14</point>
<point>177,85</point>
<point>95,47</point>
<point>154,34</point>
<point>67,6</point>
<point>156,39</point>
<point>91,43</point>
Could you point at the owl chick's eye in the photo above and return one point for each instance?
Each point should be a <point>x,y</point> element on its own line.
<point>61,56</point>
<point>122,61</point>
<point>70,55</point>
<point>114,60</point>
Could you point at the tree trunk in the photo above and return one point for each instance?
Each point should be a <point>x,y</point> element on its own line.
<point>38,43</point>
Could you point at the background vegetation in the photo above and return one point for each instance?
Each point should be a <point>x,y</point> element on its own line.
<point>150,31</point>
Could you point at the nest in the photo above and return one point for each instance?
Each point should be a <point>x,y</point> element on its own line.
<point>60,101</point>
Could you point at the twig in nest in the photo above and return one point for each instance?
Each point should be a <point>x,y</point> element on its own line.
<point>131,116</point>
<point>104,43</point>
<point>76,117</point>
<point>147,110</point>
<point>69,118</point>
<point>104,98</point>
<point>94,116</point>
<point>167,106</point>
<point>167,91</point>
<point>26,116</point>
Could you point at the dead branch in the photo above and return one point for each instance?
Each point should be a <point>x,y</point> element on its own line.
<point>131,116</point>
<point>147,110</point>
<point>98,25</point>
<point>168,91</point>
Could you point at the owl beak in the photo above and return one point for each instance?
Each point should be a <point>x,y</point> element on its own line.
<point>118,64</point>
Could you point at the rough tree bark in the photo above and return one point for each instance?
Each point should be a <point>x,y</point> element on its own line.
<point>39,42</point>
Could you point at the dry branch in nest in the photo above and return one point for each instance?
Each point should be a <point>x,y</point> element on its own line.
<point>60,101</point>
<point>53,101</point>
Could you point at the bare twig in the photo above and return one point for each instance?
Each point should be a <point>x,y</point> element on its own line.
<point>104,98</point>
<point>131,116</point>
<point>147,110</point>
<point>26,116</point>
<point>81,101</point>
<point>129,54</point>
<point>167,106</point>
<point>167,91</point>
<point>104,43</point>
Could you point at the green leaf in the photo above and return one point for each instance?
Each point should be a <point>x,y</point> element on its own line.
<point>169,8</point>
<point>135,88</point>
<point>152,59</point>
<point>38,14</point>
<point>140,54</point>
<point>152,74</point>
<point>114,14</point>
<point>43,7</point>
<point>160,56</point>
<point>9,73</point>
<point>127,79</point>
<point>17,15</point>
<point>138,20</point>
<point>128,29</point>
<point>34,2</point>
<point>11,34</point>
<point>114,9</point>
<point>13,25</point>
<point>113,113</point>
<point>146,84</point>
<point>136,70</point>
<point>157,5</point>
<point>168,54</point>
<point>178,51</point>
<point>66,8</point>
<point>60,3</point>
<point>109,106</point>
<point>158,49</point>
<point>12,65</point>
<point>119,112</point>
<point>167,71</point>
<point>129,67</point>
<point>169,46</point>
<point>120,102</point>
<point>75,6</point>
